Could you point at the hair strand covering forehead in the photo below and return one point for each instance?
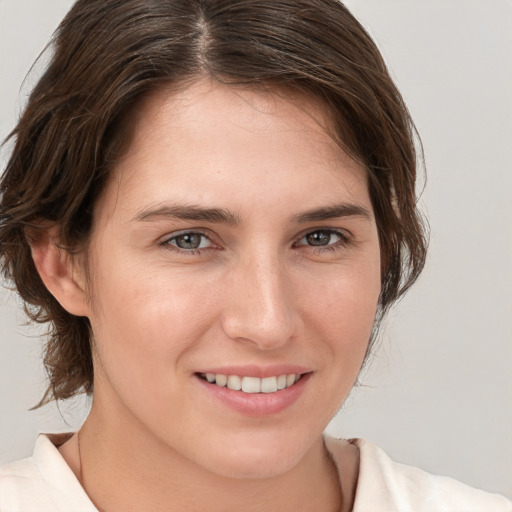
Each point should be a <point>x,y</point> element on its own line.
<point>109,54</point>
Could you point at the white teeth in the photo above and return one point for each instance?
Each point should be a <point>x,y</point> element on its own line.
<point>281,382</point>
<point>221,380</point>
<point>253,384</point>
<point>269,385</point>
<point>234,382</point>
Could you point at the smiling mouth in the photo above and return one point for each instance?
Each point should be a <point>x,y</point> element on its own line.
<point>252,384</point>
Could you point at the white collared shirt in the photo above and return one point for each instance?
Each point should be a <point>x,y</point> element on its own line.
<point>45,483</point>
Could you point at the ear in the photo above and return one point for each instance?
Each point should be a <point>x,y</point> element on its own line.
<point>59,270</point>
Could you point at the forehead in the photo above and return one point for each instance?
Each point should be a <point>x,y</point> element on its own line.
<point>206,103</point>
<point>211,137</point>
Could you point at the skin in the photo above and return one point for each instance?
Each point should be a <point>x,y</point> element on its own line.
<point>256,292</point>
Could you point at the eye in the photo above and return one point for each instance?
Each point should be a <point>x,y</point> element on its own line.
<point>189,241</point>
<point>323,238</point>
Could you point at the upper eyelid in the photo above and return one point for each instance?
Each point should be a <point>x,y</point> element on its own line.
<point>166,243</point>
<point>344,233</point>
<point>175,234</point>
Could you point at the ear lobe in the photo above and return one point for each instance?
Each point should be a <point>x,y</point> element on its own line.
<point>59,271</point>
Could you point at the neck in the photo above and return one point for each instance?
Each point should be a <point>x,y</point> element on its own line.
<point>149,475</point>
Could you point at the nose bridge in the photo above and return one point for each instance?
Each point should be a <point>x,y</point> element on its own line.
<point>261,308</point>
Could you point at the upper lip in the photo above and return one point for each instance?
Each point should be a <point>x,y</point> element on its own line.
<point>253,370</point>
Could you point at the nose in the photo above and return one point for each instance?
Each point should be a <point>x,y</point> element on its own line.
<point>261,304</point>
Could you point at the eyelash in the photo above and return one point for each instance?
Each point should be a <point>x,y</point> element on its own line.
<point>344,241</point>
<point>189,252</point>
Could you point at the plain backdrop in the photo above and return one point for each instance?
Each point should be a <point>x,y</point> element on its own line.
<point>438,393</point>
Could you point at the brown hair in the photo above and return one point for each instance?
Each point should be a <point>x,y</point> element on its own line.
<point>108,54</point>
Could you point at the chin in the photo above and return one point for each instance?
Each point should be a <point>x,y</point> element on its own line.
<point>247,468</point>
<point>256,458</point>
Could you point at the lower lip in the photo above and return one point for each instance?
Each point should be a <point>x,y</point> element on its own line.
<point>257,404</point>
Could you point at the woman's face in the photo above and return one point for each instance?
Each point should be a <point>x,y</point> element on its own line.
<point>235,241</point>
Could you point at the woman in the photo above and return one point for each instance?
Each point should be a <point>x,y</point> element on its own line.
<point>213,205</point>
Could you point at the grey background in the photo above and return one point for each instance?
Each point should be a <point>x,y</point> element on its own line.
<point>438,393</point>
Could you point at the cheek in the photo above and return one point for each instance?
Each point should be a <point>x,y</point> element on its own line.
<point>344,295</point>
<point>340,316</point>
<point>342,310</point>
<point>145,321</point>
<point>145,332</point>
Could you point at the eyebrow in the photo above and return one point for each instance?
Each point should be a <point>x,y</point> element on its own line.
<point>223,216</point>
<point>333,212</point>
<point>187,212</point>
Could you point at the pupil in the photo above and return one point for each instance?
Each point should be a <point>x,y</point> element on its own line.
<point>188,241</point>
<point>319,238</point>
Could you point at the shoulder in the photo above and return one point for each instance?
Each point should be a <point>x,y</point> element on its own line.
<point>42,483</point>
<point>18,481</point>
<point>387,485</point>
